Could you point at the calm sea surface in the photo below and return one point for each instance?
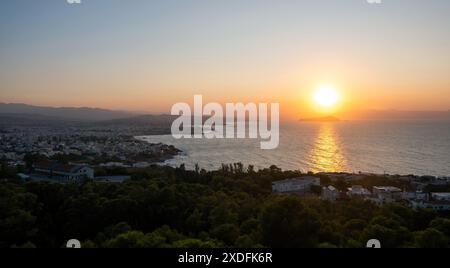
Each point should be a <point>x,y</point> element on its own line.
<point>421,148</point>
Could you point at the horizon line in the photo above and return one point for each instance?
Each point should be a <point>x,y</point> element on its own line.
<point>168,112</point>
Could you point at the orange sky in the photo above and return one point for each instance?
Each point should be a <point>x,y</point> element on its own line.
<point>147,56</point>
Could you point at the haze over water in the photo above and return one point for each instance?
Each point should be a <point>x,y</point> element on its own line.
<point>394,147</point>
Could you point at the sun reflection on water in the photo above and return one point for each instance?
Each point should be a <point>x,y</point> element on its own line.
<point>326,154</point>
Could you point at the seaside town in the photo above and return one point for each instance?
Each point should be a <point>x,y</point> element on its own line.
<point>42,149</point>
<point>55,155</point>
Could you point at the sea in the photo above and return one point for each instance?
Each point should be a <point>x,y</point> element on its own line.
<point>382,147</point>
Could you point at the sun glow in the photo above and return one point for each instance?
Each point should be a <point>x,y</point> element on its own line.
<point>326,96</point>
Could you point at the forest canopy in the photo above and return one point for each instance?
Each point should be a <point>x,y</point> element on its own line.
<point>174,207</point>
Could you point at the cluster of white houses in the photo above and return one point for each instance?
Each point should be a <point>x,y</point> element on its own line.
<point>379,194</point>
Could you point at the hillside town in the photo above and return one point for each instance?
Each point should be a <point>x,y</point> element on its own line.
<point>414,191</point>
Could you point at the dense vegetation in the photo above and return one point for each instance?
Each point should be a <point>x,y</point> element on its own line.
<point>231,207</point>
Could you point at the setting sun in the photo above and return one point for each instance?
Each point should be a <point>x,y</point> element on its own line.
<point>326,96</point>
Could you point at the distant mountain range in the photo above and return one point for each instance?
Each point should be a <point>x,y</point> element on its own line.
<point>18,113</point>
<point>25,111</point>
<point>23,115</point>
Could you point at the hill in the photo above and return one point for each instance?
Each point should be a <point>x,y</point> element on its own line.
<point>66,113</point>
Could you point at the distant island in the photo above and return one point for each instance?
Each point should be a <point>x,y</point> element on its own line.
<point>321,119</point>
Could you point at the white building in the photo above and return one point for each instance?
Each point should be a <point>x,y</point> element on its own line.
<point>419,195</point>
<point>358,191</point>
<point>440,196</point>
<point>300,185</point>
<point>386,194</point>
<point>63,172</point>
<point>330,193</point>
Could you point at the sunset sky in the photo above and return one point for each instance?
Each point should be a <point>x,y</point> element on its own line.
<point>146,55</point>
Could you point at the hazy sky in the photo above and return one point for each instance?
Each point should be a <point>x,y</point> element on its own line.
<point>146,55</point>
